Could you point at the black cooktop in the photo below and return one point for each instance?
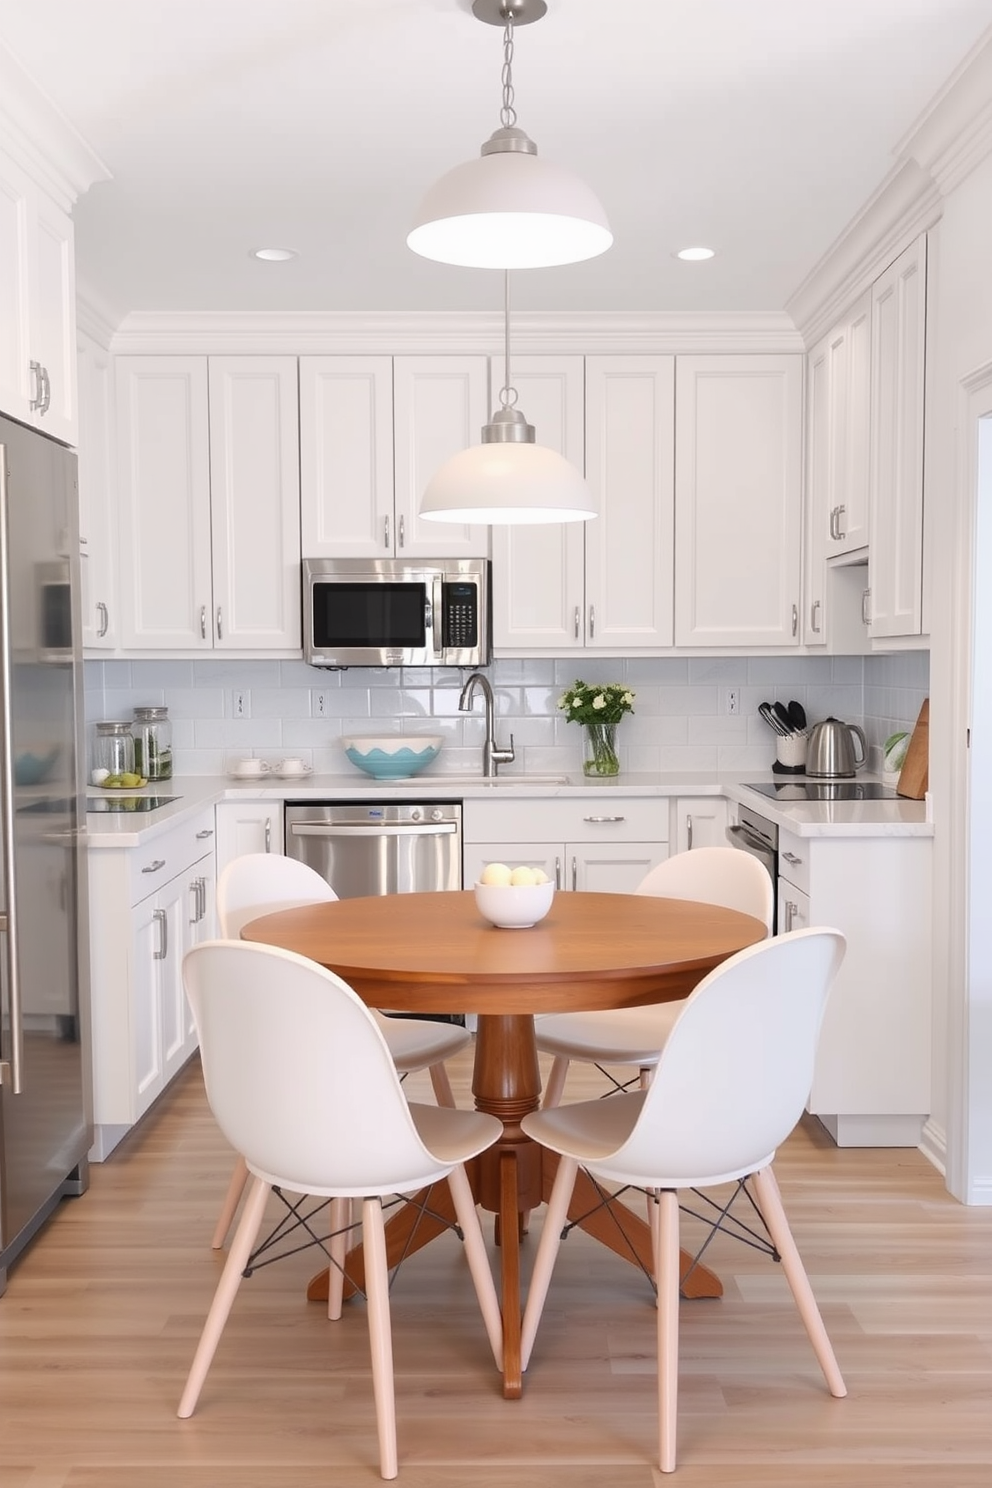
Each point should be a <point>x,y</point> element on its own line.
<point>125,802</point>
<point>823,790</point>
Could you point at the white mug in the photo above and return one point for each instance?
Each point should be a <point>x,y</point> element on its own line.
<point>293,766</point>
<point>249,767</point>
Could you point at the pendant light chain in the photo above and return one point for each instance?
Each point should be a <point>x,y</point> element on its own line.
<point>507,393</point>
<point>508,114</point>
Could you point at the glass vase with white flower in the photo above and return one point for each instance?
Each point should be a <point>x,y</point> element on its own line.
<point>599,707</point>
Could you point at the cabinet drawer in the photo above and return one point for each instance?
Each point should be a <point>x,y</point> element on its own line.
<point>154,863</point>
<point>598,819</point>
<point>793,860</point>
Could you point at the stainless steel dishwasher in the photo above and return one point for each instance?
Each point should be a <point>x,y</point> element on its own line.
<point>378,847</point>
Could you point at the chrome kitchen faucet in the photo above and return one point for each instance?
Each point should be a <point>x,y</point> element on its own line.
<point>492,755</point>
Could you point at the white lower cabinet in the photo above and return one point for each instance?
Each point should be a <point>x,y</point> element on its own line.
<point>603,845</point>
<point>248,827</point>
<point>148,906</point>
<point>699,821</point>
<point>871,1080</point>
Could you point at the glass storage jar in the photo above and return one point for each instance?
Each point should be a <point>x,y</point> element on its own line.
<point>114,748</point>
<point>153,743</point>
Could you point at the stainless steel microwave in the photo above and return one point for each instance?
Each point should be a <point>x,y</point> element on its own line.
<point>397,612</point>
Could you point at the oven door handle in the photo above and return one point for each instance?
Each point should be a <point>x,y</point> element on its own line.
<point>741,836</point>
<point>374,829</point>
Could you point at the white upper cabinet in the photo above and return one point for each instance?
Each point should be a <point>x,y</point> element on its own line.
<point>209,506</point>
<point>37,307</point>
<point>850,399</point>
<point>440,404</point>
<point>97,498</point>
<point>896,505</point>
<point>738,500</point>
<point>373,430</point>
<point>539,572</point>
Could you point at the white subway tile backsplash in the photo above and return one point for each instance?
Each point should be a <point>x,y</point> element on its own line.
<point>679,721</point>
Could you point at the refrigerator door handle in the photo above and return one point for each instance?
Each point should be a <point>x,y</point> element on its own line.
<point>10,1072</point>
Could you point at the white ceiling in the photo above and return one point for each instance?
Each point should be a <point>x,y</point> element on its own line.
<point>758,128</point>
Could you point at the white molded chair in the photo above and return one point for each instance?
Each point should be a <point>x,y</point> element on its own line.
<point>635,1036</point>
<point>730,1084</point>
<point>261,883</point>
<point>301,1080</point>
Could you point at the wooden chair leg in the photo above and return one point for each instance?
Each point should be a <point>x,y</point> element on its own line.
<point>380,1336</point>
<point>340,1219</point>
<point>442,1085</point>
<point>225,1294</point>
<point>665,1235</point>
<point>770,1203</point>
<point>478,1260</point>
<point>556,1082</point>
<point>547,1250</point>
<point>235,1189</point>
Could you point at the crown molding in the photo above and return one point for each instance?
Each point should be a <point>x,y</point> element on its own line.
<point>355,333</point>
<point>39,137</point>
<point>947,142</point>
<point>93,318</point>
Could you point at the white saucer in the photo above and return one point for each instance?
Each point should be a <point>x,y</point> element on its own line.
<point>236,774</point>
<point>293,774</point>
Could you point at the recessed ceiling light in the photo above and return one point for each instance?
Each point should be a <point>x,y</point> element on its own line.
<point>274,255</point>
<point>694,255</point>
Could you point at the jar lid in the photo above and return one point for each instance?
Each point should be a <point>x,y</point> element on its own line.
<point>113,728</point>
<point>151,715</point>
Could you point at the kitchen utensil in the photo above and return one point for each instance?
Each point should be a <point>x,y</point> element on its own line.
<point>797,716</point>
<point>915,773</point>
<point>831,748</point>
<point>772,719</point>
<point>782,714</point>
<point>790,751</point>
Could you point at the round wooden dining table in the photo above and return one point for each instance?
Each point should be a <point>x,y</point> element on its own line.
<point>435,953</point>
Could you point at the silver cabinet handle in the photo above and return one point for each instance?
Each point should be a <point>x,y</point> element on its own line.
<point>791,858</point>
<point>385,533</point>
<point>604,818</point>
<point>790,914</point>
<point>163,938</point>
<point>866,607</point>
<point>37,397</point>
<point>575,873</point>
<point>268,834</point>
<point>576,622</point>
<point>840,512</point>
<point>592,621</point>
<point>557,873</point>
<point>401,532</point>
<point>207,832</point>
<point>9,1073</point>
<point>199,887</point>
<point>203,622</point>
<point>795,619</point>
<point>104,614</point>
<point>814,627</point>
<point>220,624</point>
<point>688,830</point>
<point>46,391</point>
<point>155,866</point>
<point>834,520</point>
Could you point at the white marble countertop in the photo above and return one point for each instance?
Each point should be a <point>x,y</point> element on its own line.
<point>112,827</point>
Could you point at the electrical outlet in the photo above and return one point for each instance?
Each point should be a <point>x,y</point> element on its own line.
<point>319,705</point>
<point>733,700</point>
<point>240,704</point>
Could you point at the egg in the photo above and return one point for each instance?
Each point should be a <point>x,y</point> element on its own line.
<point>539,875</point>
<point>98,776</point>
<point>522,875</point>
<point>495,873</point>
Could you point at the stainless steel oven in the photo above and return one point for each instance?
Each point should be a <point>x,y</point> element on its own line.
<point>758,836</point>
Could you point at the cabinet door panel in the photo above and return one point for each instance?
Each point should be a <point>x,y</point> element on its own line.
<point>346,456</point>
<point>700,821</point>
<point>738,498</point>
<point>97,498</point>
<point>538,572</point>
<point>629,465</point>
<point>255,503</point>
<point>173,903</point>
<point>164,483</point>
<point>613,869</point>
<point>15,217</point>
<point>145,994</point>
<point>53,317</point>
<point>547,855</point>
<point>440,406</point>
<point>247,827</point>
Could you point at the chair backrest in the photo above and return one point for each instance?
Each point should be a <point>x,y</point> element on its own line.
<point>715,875</point>
<point>298,1076</point>
<point>261,883</point>
<point>736,1069</point>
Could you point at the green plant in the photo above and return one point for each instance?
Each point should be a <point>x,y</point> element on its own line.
<point>605,702</point>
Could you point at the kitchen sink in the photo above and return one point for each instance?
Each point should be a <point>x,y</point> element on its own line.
<point>508,780</point>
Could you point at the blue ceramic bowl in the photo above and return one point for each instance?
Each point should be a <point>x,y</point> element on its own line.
<point>392,756</point>
<point>31,768</point>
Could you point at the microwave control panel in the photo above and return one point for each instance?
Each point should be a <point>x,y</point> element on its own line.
<point>460,614</point>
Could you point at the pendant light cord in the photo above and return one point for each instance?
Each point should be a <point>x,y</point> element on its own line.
<point>508,393</point>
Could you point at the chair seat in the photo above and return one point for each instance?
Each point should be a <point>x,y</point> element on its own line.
<point>415,1043</point>
<point>451,1134</point>
<point>622,1036</point>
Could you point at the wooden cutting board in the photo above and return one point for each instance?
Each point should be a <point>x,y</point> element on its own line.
<point>914,776</point>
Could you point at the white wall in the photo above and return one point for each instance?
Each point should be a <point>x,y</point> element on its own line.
<point>680,721</point>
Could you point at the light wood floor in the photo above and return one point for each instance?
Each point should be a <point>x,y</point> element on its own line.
<point>101,1316</point>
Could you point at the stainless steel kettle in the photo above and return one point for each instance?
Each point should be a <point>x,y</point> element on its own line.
<point>831,748</point>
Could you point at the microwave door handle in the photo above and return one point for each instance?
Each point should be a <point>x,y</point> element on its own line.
<point>433,618</point>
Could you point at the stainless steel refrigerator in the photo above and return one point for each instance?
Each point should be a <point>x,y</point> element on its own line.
<point>45,1105</point>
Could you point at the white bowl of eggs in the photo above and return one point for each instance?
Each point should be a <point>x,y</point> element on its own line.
<point>513,898</point>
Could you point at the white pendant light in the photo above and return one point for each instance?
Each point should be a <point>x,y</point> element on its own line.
<point>508,477</point>
<point>508,209</point>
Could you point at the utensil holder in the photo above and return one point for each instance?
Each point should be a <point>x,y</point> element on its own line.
<point>790,752</point>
